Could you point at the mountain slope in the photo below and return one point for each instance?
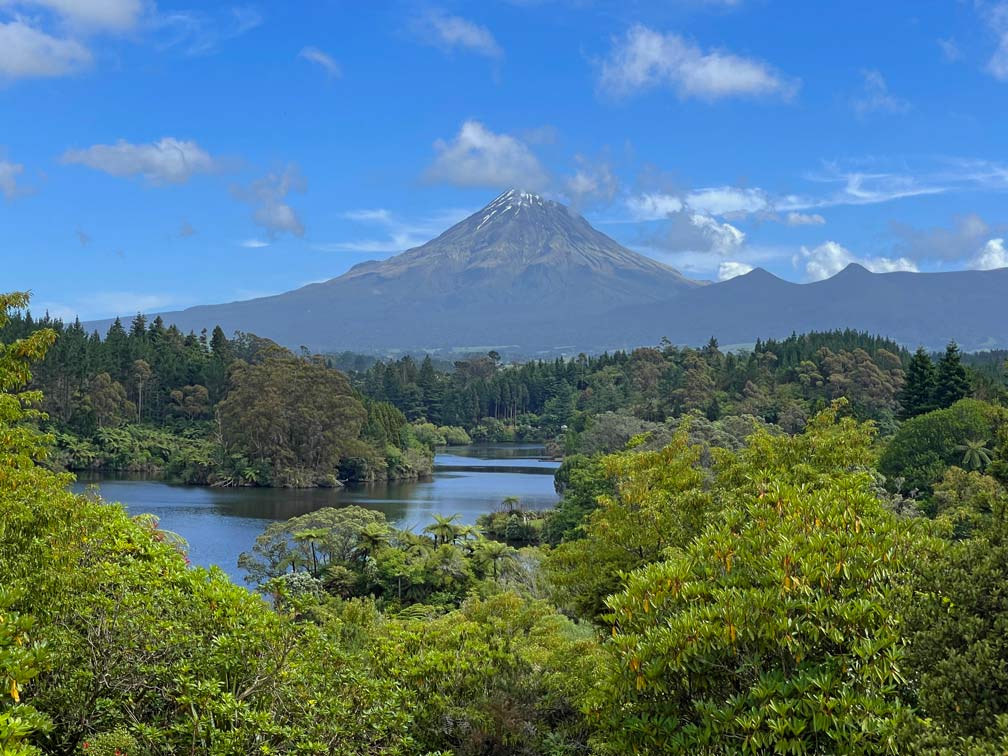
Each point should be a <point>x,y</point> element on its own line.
<point>527,273</point>
<point>928,309</point>
<point>523,271</point>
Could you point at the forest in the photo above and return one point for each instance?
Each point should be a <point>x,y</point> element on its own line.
<point>798,549</point>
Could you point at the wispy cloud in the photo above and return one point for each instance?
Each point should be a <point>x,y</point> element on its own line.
<point>450,33</point>
<point>167,161</point>
<point>875,96</point>
<point>643,59</point>
<point>195,33</point>
<point>9,176</point>
<point>399,234</point>
<point>253,244</point>
<point>321,59</point>
<point>477,156</point>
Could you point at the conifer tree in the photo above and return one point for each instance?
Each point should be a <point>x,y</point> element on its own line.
<point>918,392</point>
<point>951,381</point>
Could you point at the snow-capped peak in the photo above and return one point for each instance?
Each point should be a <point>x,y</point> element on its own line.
<point>512,201</point>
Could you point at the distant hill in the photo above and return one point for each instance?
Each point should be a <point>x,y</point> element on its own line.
<point>530,275</point>
<point>915,309</point>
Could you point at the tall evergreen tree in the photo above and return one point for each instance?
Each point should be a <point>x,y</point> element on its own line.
<point>918,392</point>
<point>951,382</point>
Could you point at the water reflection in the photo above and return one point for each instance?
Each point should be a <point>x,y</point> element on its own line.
<point>221,523</point>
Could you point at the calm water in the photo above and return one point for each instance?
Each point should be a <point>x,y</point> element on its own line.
<point>220,523</point>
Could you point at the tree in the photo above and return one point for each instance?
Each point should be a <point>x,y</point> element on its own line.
<point>976,455</point>
<point>297,418</point>
<point>926,446</point>
<point>774,629</point>
<point>107,399</point>
<point>951,383</point>
<point>141,374</point>
<point>918,393</point>
<point>444,529</point>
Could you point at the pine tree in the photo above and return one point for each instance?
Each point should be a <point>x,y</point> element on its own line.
<point>918,392</point>
<point>951,383</point>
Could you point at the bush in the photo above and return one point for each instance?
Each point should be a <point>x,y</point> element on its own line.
<point>927,445</point>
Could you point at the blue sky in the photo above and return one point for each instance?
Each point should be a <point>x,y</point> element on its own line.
<point>156,156</point>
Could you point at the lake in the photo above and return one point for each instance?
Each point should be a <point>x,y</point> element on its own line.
<point>220,523</point>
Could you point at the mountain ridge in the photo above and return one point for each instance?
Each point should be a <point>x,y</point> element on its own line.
<point>528,273</point>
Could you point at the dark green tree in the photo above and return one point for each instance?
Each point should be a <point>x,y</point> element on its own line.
<point>918,392</point>
<point>951,382</point>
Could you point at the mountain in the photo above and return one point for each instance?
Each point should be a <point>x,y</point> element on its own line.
<point>527,274</point>
<point>524,272</point>
<point>916,309</point>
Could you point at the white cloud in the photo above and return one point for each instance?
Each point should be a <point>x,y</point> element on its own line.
<point>103,15</point>
<point>377,215</point>
<point>254,244</point>
<point>167,161</point>
<point>732,269</point>
<point>402,234</point>
<point>448,32</point>
<point>268,198</point>
<point>830,258</point>
<point>593,181</point>
<point>875,97</point>
<point>9,173</point>
<point>479,157</point>
<point>803,219</point>
<point>316,56</point>
<point>728,200</point>
<point>26,52</point>
<point>717,200</point>
<point>686,231</point>
<point>993,255</point>
<point>997,20</point>
<point>653,206</point>
<point>643,59</point>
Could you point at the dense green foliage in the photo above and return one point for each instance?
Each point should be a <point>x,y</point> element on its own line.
<point>240,411</point>
<point>722,576</point>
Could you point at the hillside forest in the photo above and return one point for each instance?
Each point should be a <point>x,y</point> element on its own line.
<point>797,549</point>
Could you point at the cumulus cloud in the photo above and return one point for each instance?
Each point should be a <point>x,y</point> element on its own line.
<point>268,197</point>
<point>479,157</point>
<point>967,234</point>
<point>875,96</point>
<point>830,258</point>
<point>9,175</point>
<point>26,53</point>
<point>803,219</point>
<point>594,181</point>
<point>644,59</point>
<point>732,269</point>
<point>449,33</point>
<point>91,15</point>
<point>167,161</point>
<point>321,59</point>
<point>688,231</point>
<point>992,255</point>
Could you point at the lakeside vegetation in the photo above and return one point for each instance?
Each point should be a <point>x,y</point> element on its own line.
<point>797,550</point>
